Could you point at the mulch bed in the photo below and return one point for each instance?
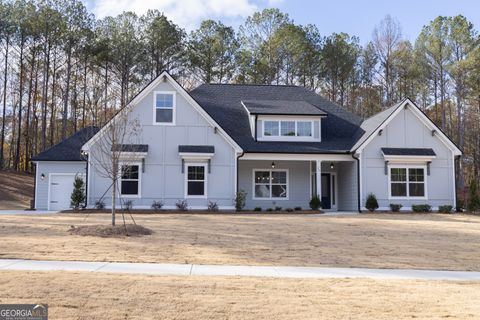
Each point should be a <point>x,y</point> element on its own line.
<point>132,230</point>
<point>221,212</point>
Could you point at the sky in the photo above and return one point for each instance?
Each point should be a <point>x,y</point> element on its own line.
<point>355,17</point>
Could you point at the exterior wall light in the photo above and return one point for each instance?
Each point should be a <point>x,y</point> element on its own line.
<point>332,165</point>
<point>42,176</point>
<point>273,165</point>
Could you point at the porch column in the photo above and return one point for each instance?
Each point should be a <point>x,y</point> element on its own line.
<point>318,180</point>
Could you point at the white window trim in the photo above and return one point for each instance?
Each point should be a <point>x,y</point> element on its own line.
<point>140,170</point>
<point>408,197</point>
<point>205,187</point>
<point>174,108</point>
<point>270,170</point>
<point>288,138</point>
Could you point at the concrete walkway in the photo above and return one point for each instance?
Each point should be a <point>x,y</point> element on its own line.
<point>26,212</point>
<point>242,271</point>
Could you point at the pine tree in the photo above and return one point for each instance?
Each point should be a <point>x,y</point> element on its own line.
<point>473,199</point>
<point>78,194</point>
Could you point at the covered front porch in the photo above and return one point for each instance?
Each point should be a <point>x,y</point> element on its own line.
<point>290,181</point>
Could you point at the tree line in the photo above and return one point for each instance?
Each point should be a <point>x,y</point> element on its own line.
<point>61,69</point>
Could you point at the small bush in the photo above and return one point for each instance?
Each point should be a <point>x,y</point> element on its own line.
<point>298,208</point>
<point>445,209</point>
<point>269,210</point>
<point>257,209</point>
<point>212,206</point>
<point>278,208</point>
<point>99,205</point>
<point>157,205</point>
<point>395,207</point>
<point>77,198</point>
<point>421,208</point>
<point>289,210</point>
<point>240,200</point>
<point>182,205</point>
<point>128,205</point>
<point>315,203</point>
<point>371,204</point>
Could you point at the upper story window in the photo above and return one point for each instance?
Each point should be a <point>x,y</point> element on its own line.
<point>164,107</point>
<point>289,129</point>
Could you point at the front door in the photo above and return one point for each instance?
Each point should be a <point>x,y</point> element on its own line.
<point>326,191</point>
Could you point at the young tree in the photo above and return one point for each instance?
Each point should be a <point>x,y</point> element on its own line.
<point>77,199</point>
<point>112,151</point>
<point>474,198</point>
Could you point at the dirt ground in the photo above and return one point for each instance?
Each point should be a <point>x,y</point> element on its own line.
<point>424,241</point>
<point>16,190</point>
<point>117,296</point>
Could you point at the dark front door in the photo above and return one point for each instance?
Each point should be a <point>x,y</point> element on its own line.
<point>326,194</point>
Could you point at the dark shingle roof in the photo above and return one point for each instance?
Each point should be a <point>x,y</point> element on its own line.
<point>131,148</point>
<point>408,152</point>
<point>224,104</point>
<point>69,149</point>
<point>196,149</point>
<point>282,107</point>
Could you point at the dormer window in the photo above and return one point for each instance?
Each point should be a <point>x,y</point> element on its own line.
<point>289,130</point>
<point>164,108</point>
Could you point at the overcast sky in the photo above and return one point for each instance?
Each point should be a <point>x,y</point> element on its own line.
<point>355,17</point>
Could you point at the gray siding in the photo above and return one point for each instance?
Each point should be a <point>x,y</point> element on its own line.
<point>347,186</point>
<point>299,183</point>
<point>407,131</point>
<point>163,178</point>
<point>41,192</point>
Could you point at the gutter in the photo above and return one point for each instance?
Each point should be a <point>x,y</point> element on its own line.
<point>358,183</point>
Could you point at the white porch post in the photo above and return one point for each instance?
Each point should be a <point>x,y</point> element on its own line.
<point>318,180</point>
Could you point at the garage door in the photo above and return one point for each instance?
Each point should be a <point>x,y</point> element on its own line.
<point>61,187</point>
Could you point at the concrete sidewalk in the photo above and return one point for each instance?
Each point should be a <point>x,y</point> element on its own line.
<point>242,271</point>
<point>20,212</point>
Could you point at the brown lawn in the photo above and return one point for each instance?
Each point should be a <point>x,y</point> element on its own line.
<point>425,241</point>
<point>116,296</point>
<point>16,190</point>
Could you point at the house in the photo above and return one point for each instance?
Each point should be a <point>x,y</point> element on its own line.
<point>279,144</point>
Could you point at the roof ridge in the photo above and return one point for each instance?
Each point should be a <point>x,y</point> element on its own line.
<point>251,84</point>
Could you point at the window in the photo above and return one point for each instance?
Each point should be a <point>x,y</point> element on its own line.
<point>270,184</point>
<point>164,107</point>
<point>287,128</point>
<point>196,181</point>
<point>130,180</point>
<point>304,128</point>
<point>271,128</point>
<point>407,182</point>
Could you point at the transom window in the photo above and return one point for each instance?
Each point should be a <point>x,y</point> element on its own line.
<point>407,182</point>
<point>164,107</point>
<point>287,128</point>
<point>196,180</point>
<point>270,184</point>
<point>130,180</point>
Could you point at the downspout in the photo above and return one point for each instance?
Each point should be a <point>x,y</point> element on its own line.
<point>86,182</point>
<point>33,206</point>
<point>358,182</point>
<point>238,157</point>
<point>255,127</point>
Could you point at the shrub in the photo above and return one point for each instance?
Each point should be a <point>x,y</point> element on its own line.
<point>269,209</point>
<point>473,198</point>
<point>212,206</point>
<point>182,205</point>
<point>240,200</point>
<point>77,199</point>
<point>257,209</point>
<point>315,203</point>
<point>445,209</point>
<point>128,205</point>
<point>289,210</point>
<point>157,205</point>
<point>371,204</point>
<point>298,208</point>
<point>278,208</point>
<point>99,205</point>
<point>395,207</point>
<point>421,208</point>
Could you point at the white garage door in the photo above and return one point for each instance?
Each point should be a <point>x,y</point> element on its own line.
<point>61,187</point>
